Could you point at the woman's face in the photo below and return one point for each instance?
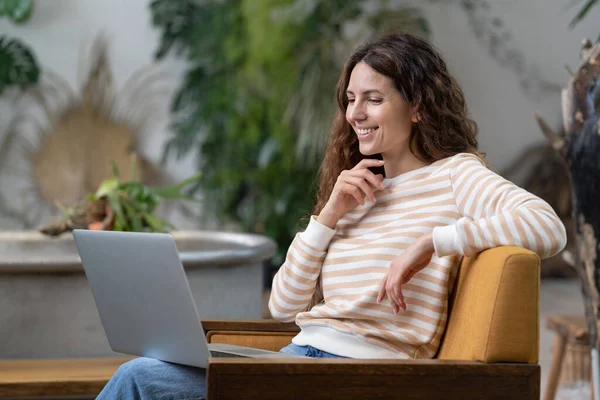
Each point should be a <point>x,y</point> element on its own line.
<point>379,115</point>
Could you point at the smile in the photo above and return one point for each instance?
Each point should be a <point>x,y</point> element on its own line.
<point>364,133</point>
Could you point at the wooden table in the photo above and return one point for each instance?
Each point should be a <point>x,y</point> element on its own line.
<point>68,377</point>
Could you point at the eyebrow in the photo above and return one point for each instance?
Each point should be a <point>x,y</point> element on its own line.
<point>367,92</point>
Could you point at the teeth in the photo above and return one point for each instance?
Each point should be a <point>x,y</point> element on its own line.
<point>365,131</point>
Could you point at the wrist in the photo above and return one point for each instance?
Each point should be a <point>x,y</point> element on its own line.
<point>426,242</point>
<point>328,218</point>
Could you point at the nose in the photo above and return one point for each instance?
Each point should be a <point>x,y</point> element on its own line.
<point>355,112</point>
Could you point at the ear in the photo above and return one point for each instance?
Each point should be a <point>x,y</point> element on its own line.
<point>415,117</point>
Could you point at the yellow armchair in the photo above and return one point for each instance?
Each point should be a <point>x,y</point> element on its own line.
<point>489,351</point>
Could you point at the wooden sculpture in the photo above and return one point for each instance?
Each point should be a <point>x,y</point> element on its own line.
<point>579,147</point>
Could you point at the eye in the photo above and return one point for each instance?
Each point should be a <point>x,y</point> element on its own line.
<point>350,100</point>
<point>375,101</point>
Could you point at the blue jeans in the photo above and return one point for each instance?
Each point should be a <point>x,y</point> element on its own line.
<point>146,378</point>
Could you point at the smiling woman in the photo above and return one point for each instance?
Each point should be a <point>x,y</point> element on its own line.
<point>403,196</point>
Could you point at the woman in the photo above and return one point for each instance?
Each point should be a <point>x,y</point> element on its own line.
<point>403,195</point>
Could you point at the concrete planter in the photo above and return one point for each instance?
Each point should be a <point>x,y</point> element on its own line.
<point>47,309</point>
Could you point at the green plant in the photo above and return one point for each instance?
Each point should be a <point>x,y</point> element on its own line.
<point>583,12</point>
<point>259,96</point>
<point>18,11</point>
<point>18,65</point>
<point>120,206</point>
<point>131,205</point>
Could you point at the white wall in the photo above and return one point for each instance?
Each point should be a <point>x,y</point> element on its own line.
<point>497,102</point>
<point>60,32</point>
<point>60,29</point>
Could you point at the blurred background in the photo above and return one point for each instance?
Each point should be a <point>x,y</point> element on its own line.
<point>242,92</point>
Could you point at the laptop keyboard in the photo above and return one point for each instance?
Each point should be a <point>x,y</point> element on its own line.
<point>215,353</point>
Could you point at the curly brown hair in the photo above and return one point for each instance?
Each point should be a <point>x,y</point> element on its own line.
<point>422,78</point>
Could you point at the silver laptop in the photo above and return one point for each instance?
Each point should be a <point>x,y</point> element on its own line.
<point>144,298</point>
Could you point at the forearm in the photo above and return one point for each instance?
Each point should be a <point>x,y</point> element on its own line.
<point>295,282</point>
<point>532,226</point>
<point>496,212</point>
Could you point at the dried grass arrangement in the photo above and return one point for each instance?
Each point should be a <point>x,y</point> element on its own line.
<point>61,142</point>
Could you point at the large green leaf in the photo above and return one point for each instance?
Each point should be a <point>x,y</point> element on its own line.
<point>106,186</point>
<point>174,18</point>
<point>18,11</point>
<point>585,9</point>
<point>174,192</point>
<point>133,214</point>
<point>18,66</point>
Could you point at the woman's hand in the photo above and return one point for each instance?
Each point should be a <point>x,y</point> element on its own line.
<point>350,190</point>
<point>402,269</point>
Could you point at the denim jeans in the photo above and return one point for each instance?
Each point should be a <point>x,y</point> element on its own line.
<point>146,378</point>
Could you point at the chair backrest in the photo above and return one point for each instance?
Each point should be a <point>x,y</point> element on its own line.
<point>494,308</point>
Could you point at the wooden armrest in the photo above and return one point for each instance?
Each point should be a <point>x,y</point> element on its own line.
<point>255,325</point>
<point>266,334</point>
<point>317,379</point>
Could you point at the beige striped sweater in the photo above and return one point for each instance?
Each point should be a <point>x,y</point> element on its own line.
<point>468,207</point>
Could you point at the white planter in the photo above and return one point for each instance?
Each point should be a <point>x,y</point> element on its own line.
<point>47,309</point>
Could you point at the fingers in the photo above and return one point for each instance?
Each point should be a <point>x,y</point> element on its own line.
<point>357,184</point>
<point>357,178</point>
<point>393,293</point>
<point>400,298</point>
<point>363,185</point>
<point>381,294</point>
<point>369,162</point>
<point>396,299</point>
<point>361,168</point>
<point>388,289</point>
<point>374,180</point>
<point>402,269</point>
<point>393,303</point>
<point>353,191</point>
<point>360,182</point>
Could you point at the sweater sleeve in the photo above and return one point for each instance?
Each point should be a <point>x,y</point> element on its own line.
<point>496,212</point>
<point>295,282</point>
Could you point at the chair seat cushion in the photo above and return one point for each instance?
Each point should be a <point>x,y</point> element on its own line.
<point>273,341</point>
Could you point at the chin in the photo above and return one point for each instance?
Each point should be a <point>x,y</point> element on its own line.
<point>367,150</point>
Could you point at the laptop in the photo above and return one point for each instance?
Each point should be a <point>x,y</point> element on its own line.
<point>144,298</point>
